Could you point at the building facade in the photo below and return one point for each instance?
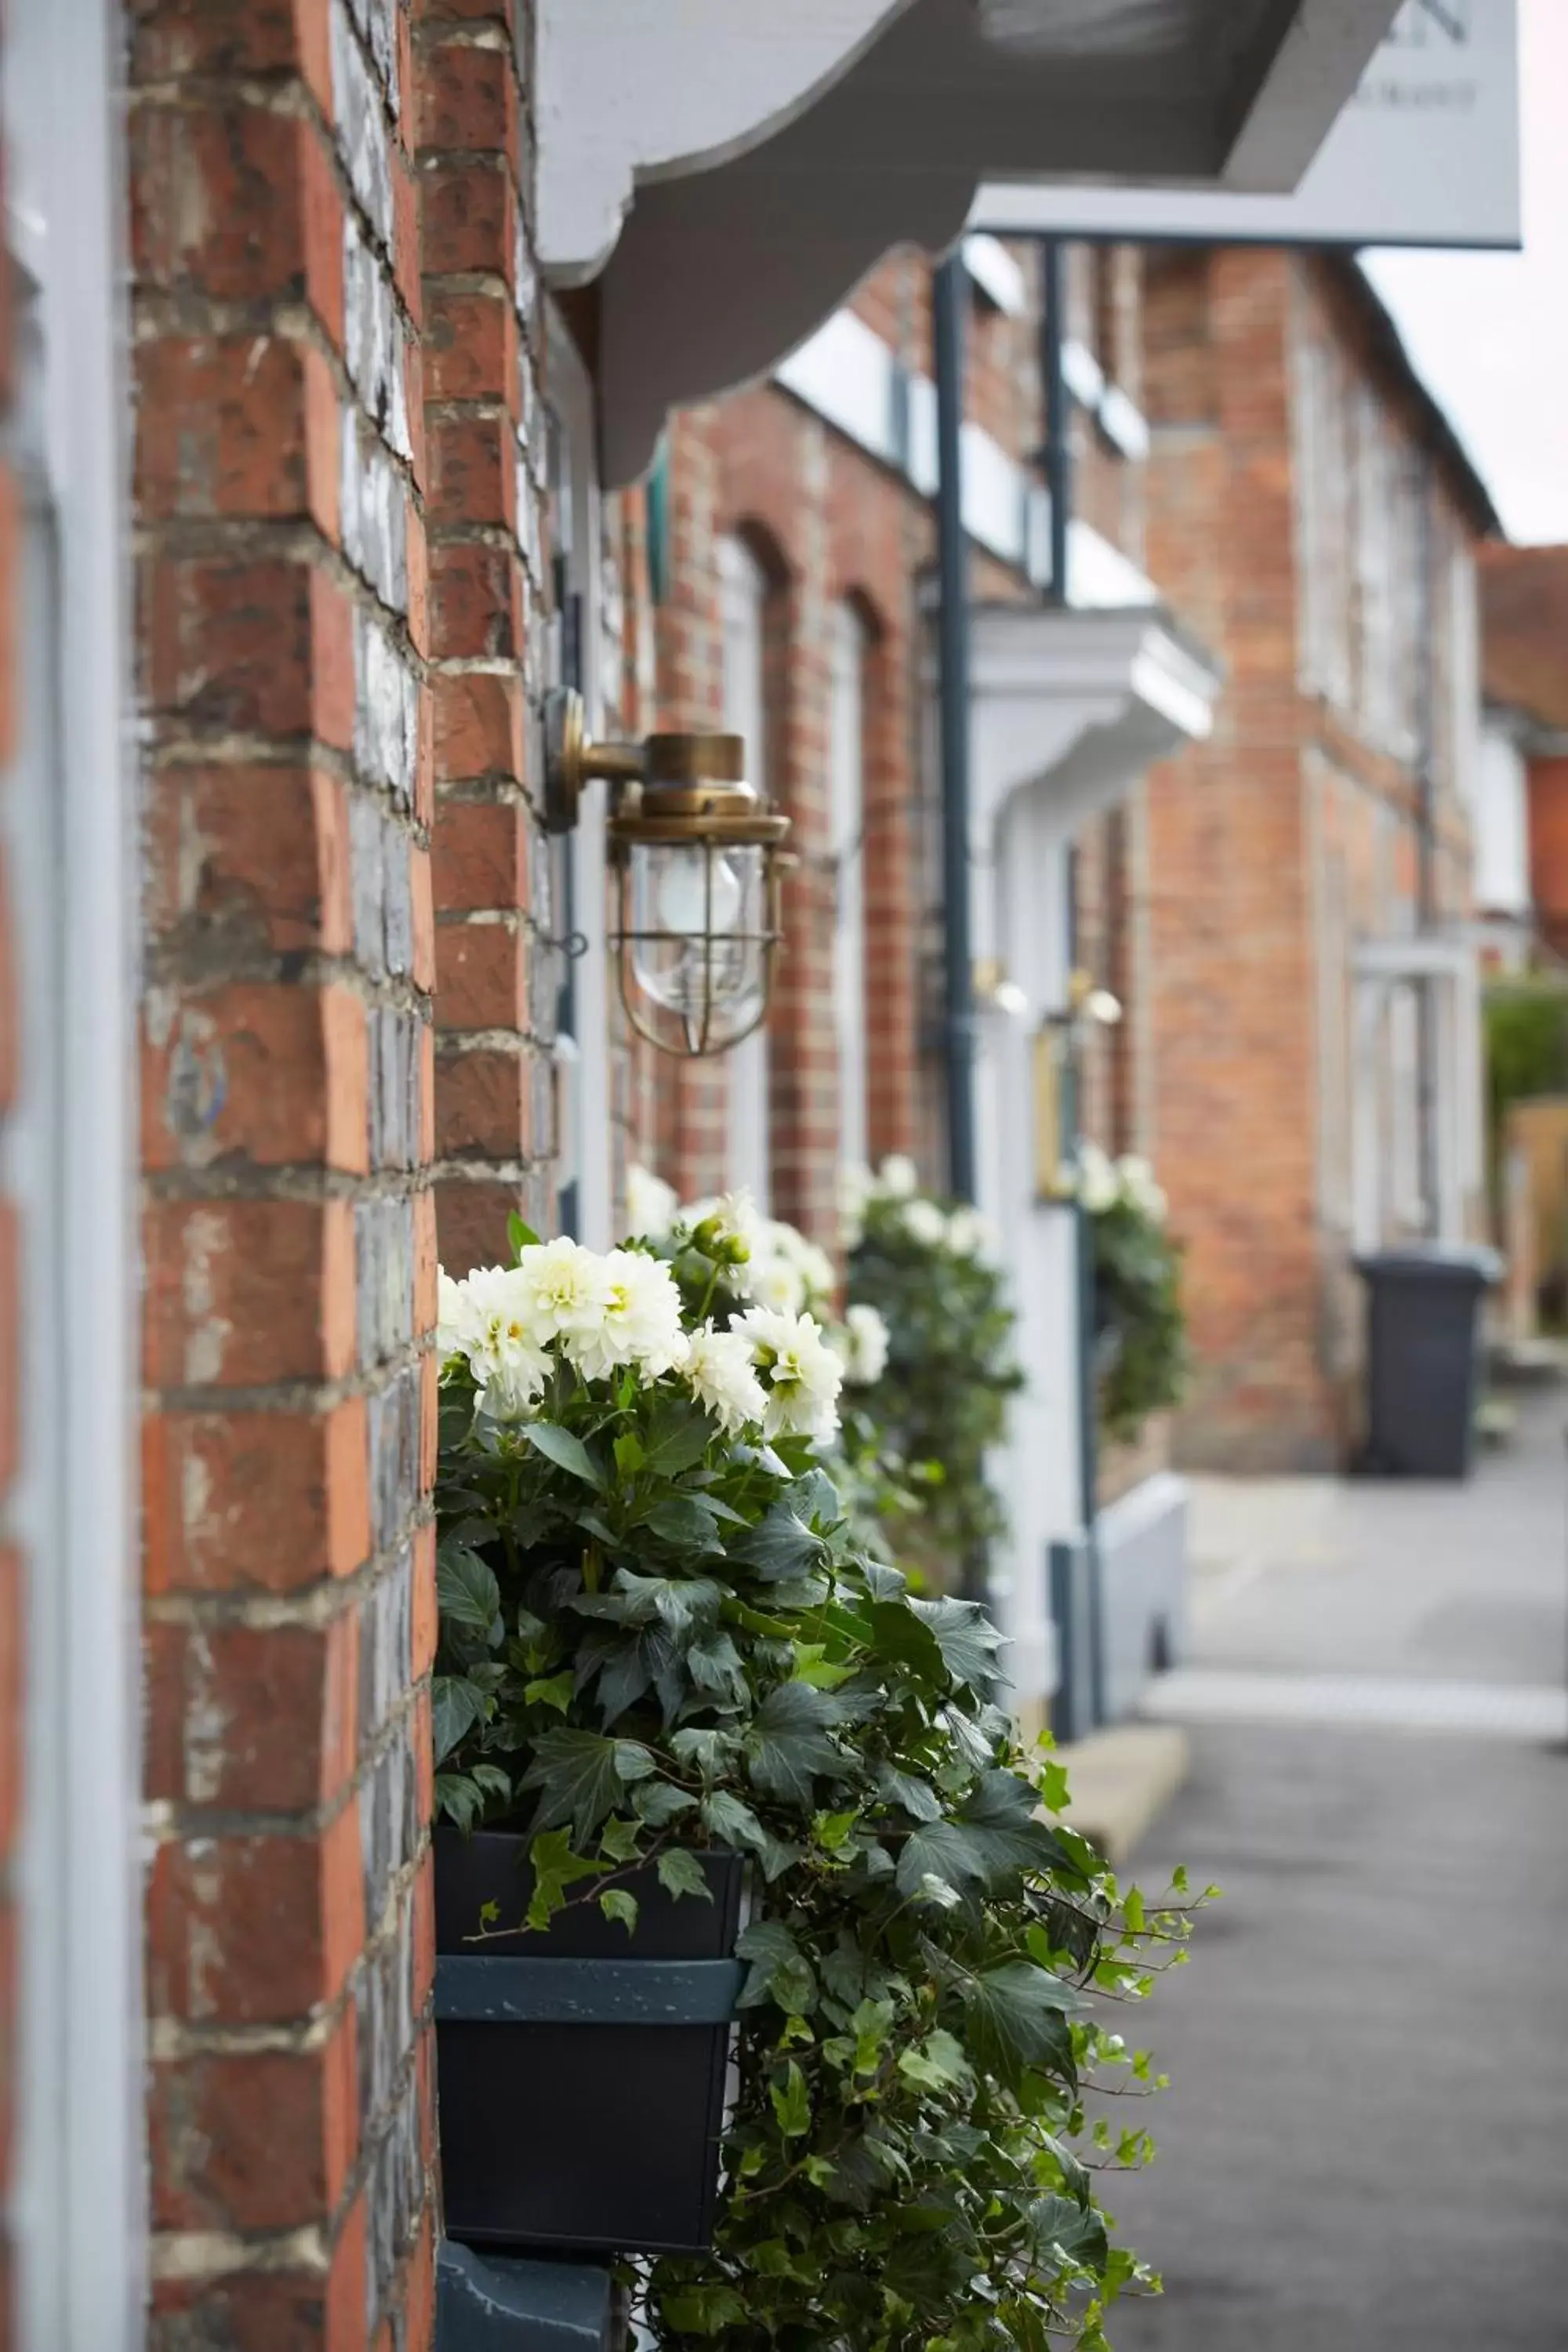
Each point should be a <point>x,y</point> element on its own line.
<point>306,509</point>
<point>791,595</point>
<point>1315,1087</point>
<point>1521,883</point>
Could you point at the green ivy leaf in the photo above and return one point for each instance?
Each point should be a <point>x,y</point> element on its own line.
<point>899,1634</point>
<point>788,1744</point>
<point>581,1776</point>
<point>567,1451</point>
<point>702,2310</point>
<point>454,1708</point>
<point>1074,2231</point>
<point>466,1593</point>
<point>791,2101</point>
<point>916,1796</point>
<point>937,2064</point>
<point>621,1840</point>
<point>658,1803</point>
<point>970,1644</point>
<point>730,1822</point>
<point>554,1691</point>
<point>1017,2019</point>
<point>459,1799</point>
<point>780,1971</point>
<point>779,1547</point>
<point>555,1866</point>
<point>680,1873</point>
<point>617,1905</point>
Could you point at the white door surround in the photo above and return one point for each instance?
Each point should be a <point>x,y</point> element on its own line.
<point>1069,710</point>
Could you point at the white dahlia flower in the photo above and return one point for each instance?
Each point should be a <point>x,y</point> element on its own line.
<point>800,1373</point>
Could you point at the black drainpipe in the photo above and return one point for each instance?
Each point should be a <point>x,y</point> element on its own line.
<point>1056,458</point>
<point>949,296</point>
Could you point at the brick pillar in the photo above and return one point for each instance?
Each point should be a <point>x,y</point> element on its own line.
<point>803,1065</point>
<point>289,1232</point>
<point>890,872</point>
<point>497,977</point>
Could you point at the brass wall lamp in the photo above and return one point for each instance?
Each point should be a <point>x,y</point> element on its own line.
<point>696,858</point>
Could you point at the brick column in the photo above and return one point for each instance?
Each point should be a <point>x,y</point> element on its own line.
<point>498,976</point>
<point>803,1025</point>
<point>288,1227</point>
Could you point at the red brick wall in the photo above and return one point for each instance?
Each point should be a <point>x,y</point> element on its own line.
<point>1272,849</point>
<point>1547,784</point>
<point>1230,882</point>
<point>333,614</point>
<point>828,525</point>
<point>497,972</point>
<point>685,1104</point>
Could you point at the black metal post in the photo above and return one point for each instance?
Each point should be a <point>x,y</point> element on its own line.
<point>1057,452</point>
<point>949,296</point>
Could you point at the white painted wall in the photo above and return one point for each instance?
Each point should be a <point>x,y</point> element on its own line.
<point>1499,820</point>
<point>743,590</point>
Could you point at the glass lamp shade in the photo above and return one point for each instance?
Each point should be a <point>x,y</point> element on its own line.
<point>697,933</point>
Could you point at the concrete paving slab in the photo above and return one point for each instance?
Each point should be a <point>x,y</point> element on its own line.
<point>1121,1779</point>
<point>1365,2148</point>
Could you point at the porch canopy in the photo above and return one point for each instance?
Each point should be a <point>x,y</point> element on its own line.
<point>726,171</point>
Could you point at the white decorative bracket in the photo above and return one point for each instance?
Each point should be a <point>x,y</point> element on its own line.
<point>631,91</point>
<point>1082,702</point>
<point>727,170</point>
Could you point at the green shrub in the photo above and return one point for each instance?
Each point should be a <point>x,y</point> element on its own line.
<point>660,1633</point>
<point>941,1404</point>
<point>1141,1331</point>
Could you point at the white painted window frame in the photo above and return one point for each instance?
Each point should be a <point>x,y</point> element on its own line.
<point>79,2203</point>
<point>847,806</point>
<point>743,590</point>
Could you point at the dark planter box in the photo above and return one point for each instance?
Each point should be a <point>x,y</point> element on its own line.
<point>581,2070</point>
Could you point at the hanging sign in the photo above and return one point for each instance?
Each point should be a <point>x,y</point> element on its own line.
<point>1427,152</point>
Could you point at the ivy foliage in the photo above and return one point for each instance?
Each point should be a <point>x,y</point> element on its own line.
<point>941,1401</point>
<point>656,1638</point>
<point>1139,1324</point>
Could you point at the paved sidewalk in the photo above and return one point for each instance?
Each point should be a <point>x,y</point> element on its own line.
<point>1447,1583</point>
<point>1366,2149</point>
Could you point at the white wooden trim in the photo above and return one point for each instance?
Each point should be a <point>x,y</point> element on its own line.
<point>850,378</point>
<point>635,91</point>
<point>995,271</point>
<point>79,2201</point>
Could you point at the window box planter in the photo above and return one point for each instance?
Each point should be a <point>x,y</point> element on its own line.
<point>581,2070</point>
